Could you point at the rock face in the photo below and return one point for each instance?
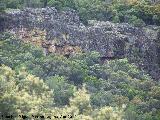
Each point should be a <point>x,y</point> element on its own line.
<point>64,27</point>
<point>154,1</point>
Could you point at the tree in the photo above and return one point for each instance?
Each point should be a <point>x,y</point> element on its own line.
<point>22,93</point>
<point>62,90</point>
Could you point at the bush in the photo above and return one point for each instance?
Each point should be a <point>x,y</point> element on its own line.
<point>136,21</point>
<point>115,83</point>
<point>62,90</point>
<point>2,7</point>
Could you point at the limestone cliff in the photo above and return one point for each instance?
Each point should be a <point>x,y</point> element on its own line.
<point>63,31</point>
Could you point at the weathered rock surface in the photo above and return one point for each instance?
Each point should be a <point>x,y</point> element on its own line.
<point>124,40</point>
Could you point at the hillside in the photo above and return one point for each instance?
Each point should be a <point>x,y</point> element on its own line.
<point>80,59</point>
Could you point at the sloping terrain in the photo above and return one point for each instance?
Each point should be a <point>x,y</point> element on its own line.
<point>63,33</point>
<point>116,83</point>
<point>53,66</point>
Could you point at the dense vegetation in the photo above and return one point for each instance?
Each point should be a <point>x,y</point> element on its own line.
<point>80,86</point>
<point>27,95</point>
<point>136,12</point>
<point>37,84</point>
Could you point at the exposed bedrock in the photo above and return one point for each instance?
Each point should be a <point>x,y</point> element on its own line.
<point>122,39</point>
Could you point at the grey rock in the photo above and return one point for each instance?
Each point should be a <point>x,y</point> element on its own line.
<point>137,44</point>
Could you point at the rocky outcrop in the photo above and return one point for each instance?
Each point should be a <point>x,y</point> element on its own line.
<point>154,1</point>
<point>64,28</point>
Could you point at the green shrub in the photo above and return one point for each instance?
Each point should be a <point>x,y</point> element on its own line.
<point>136,21</point>
<point>115,83</point>
<point>2,6</point>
